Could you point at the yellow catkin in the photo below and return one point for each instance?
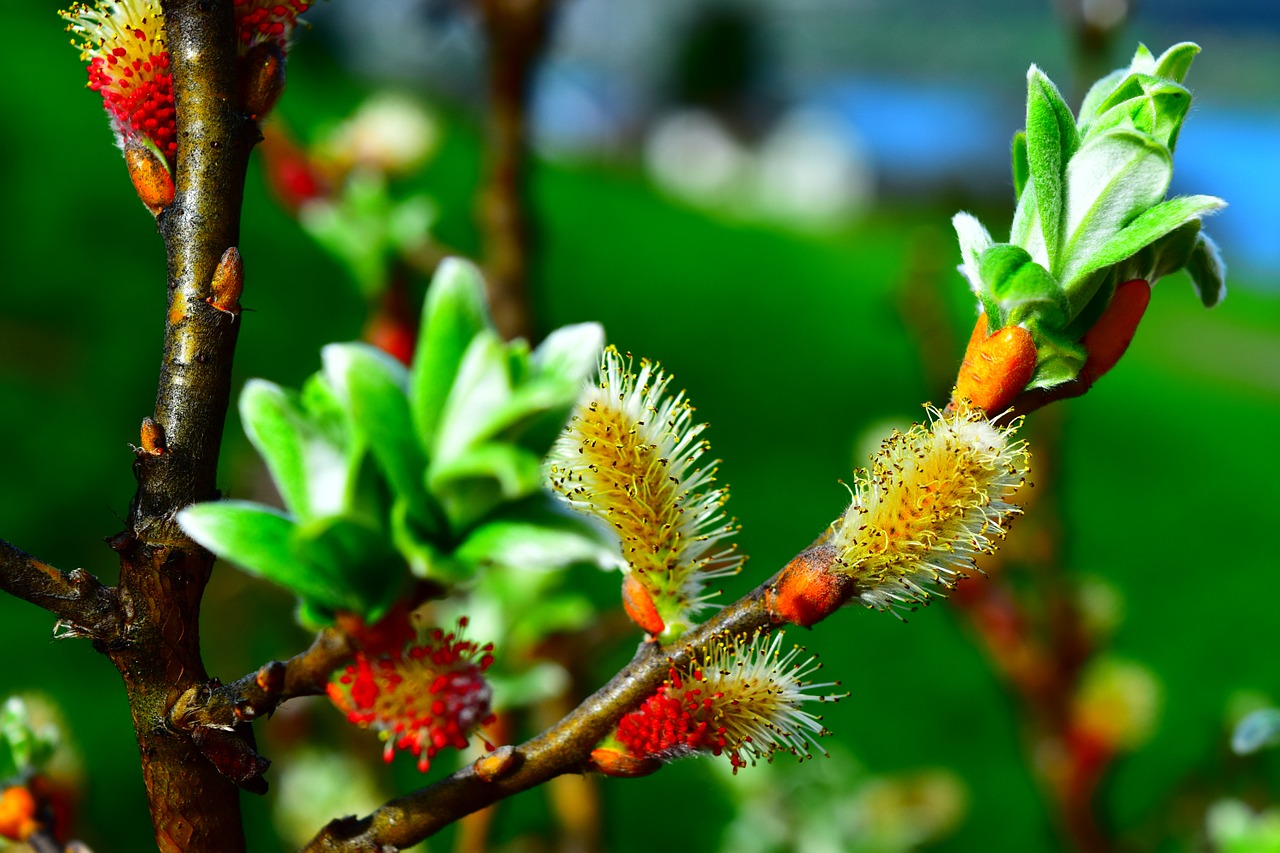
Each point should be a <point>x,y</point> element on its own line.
<point>936,497</point>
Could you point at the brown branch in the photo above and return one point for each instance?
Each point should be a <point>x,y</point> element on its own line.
<point>163,572</point>
<point>262,691</point>
<point>563,748</point>
<point>517,36</point>
<point>83,605</point>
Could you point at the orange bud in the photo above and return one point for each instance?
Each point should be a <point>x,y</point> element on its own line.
<point>996,368</point>
<point>639,605</point>
<point>228,283</point>
<point>261,78</point>
<point>1111,335</point>
<point>153,442</point>
<point>150,175</point>
<point>17,813</point>
<point>611,762</point>
<point>807,591</point>
<point>497,764</point>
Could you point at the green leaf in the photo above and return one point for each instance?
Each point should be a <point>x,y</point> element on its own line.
<point>1099,93</point>
<point>481,390</point>
<point>426,558</point>
<point>259,539</point>
<point>454,314</point>
<point>374,386</point>
<point>1175,62</point>
<point>974,240</point>
<point>1256,731</point>
<point>305,451</point>
<point>24,747</point>
<point>471,485</point>
<point>538,535</point>
<point>1112,180</point>
<point>1151,225</point>
<point>1058,359</point>
<point>1052,139</point>
<point>366,568</point>
<point>1021,167</point>
<point>1020,287</point>
<point>1208,271</point>
<point>570,354</point>
<point>1156,107</point>
<point>1025,231</point>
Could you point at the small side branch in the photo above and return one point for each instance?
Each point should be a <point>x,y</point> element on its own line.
<point>261,692</point>
<point>82,604</point>
<point>564,748</point>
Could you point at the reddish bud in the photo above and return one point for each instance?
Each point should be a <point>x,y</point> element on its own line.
<point>1111,335</point>
<point>228,283</point>
<point>807,591</point>
<point>611,762</point>
<point>17,813</point>
<point>153,442</point>
<point>150,174</point>
<point>261,78</point>
<point>996,368</point>
<point>639,605</point>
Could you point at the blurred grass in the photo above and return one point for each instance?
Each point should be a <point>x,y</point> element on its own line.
<point>788,344</point>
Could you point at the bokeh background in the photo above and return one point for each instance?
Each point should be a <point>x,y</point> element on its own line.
<point>757,194</point>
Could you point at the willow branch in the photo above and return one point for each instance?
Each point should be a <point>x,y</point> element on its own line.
<point>194,804</point>
<point>81,603</point>
<point>564,748</point>
<point>262,691</point>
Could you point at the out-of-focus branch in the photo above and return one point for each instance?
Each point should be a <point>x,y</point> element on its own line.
<point>517,35</point>
<point>564,748</point>
<point>83,605</point>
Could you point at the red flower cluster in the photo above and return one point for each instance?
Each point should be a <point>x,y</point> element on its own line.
<point>677,721</point>
<point>267,20</point>
<point>427,698</point>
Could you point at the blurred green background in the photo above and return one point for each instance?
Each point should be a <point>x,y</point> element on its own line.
<point>790,332</point>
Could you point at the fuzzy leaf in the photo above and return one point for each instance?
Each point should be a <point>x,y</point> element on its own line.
<point>1025,231</point>
<point>374,386</point>
<point>1021,168</point>
<point>453,315</point>
<point>1058,359</point>
<point>259,540</point>
<point>1157,108</point>
<point>1256,731</point>
<point>570,354</point>
<point>1019,288</point>
<point>425,558</point>
<point>974,240</point>
<point>1208,271</point>
<point>1052,139</point>
<point>1175,62</point>
<point>304,454</point>
<point>1111,181</point>
<point>1099,93</point>
<point>1151,225</point>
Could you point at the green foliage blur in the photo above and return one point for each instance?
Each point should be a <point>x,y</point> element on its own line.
<point>791,345</point>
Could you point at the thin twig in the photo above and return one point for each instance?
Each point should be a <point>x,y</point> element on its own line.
<point>564,748</point>
<point>262,691</point>
<point>84,606</point>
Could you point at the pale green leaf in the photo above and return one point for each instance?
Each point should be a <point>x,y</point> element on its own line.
<point>974,240</point>
<point>1052,139</point>
<point>370,573</point>
<point>259,540</point>
<point>1154,223</point>
<point>1175,62</point>
<point>538,536</point>
<point>1058,360</point>
<point>454,313</point>
<point>1099,93</point>
<point>1111,181</point>
<point>482,388</point>
<point>1208,271</point>
<point>471,485</point>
